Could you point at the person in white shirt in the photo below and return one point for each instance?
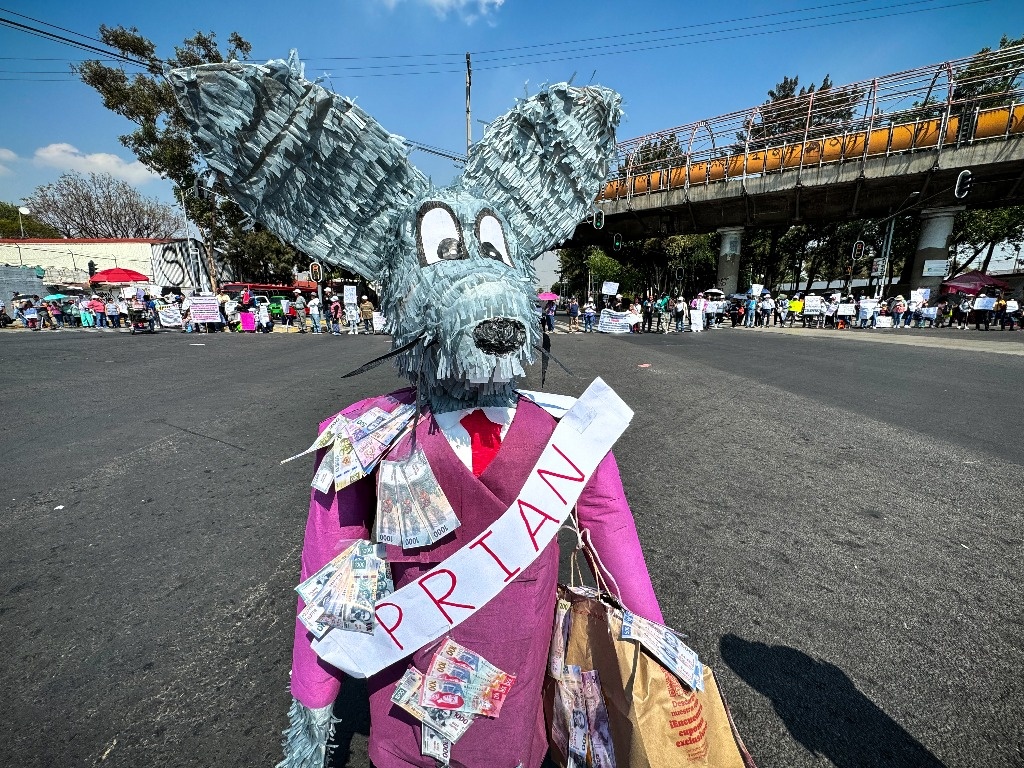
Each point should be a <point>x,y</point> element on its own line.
<point>313,305</point>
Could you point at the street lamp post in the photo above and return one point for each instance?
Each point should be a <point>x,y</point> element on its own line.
<point>26,212</point>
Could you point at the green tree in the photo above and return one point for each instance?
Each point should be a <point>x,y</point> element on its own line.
<point>162,142</point>
<point>653,155</point>
<point>987,80</point>
<point>11,227</point>
<point>976,233</point>
<point>784,115</point>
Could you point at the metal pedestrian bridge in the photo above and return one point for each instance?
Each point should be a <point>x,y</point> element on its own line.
<point>861,150</point>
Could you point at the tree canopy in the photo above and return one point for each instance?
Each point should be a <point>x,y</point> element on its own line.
<point>98,205</point>
<point>162,142</point>
<point>10,226</point>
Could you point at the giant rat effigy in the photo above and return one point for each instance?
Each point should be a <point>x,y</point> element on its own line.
<point>430,559</point>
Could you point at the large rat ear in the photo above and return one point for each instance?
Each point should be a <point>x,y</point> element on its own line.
<point>310,165</point>
<point>543,163</point>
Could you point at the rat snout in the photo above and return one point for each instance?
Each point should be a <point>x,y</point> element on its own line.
<point>499,335</point>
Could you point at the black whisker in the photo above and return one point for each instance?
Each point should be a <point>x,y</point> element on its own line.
<point>547,354</point>
<point>374,363</point>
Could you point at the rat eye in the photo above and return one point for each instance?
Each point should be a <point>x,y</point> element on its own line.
<point>491,236</point>
<point>439,237</point>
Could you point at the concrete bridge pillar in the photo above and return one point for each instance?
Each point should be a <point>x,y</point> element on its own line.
<point>729,259</point>
<point>932,245</point>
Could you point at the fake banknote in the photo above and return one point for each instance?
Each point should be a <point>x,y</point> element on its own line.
<point>662,643</point>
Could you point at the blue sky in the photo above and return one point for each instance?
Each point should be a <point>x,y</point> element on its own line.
<point>673,62</point>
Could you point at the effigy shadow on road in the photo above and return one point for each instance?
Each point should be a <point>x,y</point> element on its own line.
<point>352,708</point>
<point>822,708</point>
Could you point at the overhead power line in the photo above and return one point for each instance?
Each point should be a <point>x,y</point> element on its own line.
<point>630,42</point>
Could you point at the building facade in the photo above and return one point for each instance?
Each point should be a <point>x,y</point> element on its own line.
<point>177,264</point>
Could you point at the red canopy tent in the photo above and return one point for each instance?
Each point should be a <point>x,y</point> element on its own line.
<point>118,275</point>
<point>974,282</point>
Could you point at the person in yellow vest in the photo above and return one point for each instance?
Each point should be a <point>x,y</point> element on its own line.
<point>796,307</point>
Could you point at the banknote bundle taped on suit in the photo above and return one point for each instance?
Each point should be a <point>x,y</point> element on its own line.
<point>341,595</point>
<point>356,445</point>
<point>412,510</point>
<point>458,686</point>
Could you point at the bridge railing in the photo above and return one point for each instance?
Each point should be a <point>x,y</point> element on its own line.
<point>930,108</point>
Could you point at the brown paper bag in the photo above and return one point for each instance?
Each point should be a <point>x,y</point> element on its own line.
<point>656,721</point>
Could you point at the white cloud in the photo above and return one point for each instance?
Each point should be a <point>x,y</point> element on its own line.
<point>468,10</point>
<point>6,157</point>
<point>68,158</point>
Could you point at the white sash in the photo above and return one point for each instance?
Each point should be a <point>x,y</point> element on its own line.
<point>428,608</point>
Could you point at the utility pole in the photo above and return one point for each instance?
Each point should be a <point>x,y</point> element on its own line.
<point>469,85</point>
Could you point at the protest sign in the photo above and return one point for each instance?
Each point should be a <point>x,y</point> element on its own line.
<point>883,321</point>
<point>755,290</point>
<point>813,305</point>
<point>170,316</point>
<point>616,322</point>
<point>445,596</point>
<point>846,310</point>
<point>867,308</point>
<point>696,320</point>
<point>928,313</point>
<point>920,294</point>
<point>349,294</point>
<point>985,303</point>
<point>1012,306</point>
<point>205,309</point>
<point>378,322</point>
<point>609,289</point>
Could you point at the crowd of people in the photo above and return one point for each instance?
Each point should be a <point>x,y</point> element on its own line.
<point>96,311</point>
<point>669,314</point>
<point>137,309</point>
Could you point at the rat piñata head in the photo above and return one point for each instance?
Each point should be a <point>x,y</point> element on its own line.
<point>455,264</point>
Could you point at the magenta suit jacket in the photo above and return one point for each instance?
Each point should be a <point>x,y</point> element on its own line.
<point>513,631</point>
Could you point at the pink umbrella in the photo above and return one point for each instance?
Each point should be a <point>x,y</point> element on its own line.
<point>547,296</point>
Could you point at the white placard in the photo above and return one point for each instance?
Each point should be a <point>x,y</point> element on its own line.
<point>616,322</point>
<point>847,310</point>
<point>204,309</point>
<point>170,316</point>
<point>934,268</point>
<point>920,294</point>
<point>378,322</point>
<point>696,320</point>
<point>985,303</point>
<point>868,307</point>
<point>349,296</point>
<point>813,305</point>
<point>1012,306</point>
<point>429,607</point>
<point>928,313</point>
<point>609,288</point>
<point>883,321</point>
<point>755,290</point>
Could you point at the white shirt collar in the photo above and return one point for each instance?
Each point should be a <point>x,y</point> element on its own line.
<point>457,436</point>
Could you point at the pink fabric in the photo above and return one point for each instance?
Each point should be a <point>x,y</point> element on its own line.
<point>513,630</point>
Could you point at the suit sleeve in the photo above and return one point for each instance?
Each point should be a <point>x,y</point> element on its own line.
<point>605,515</point>
<point>336,519</point>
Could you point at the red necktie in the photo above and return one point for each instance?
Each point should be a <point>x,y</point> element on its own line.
<point>485,439</point>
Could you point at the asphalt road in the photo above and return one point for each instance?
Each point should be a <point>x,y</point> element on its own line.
<point>834,519</point>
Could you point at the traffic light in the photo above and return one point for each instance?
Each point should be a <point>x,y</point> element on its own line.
<point>617,242</point>
<point>92,267</point>
<point>963,185</point>
<point>316,271</point>
<point>858,250</point>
